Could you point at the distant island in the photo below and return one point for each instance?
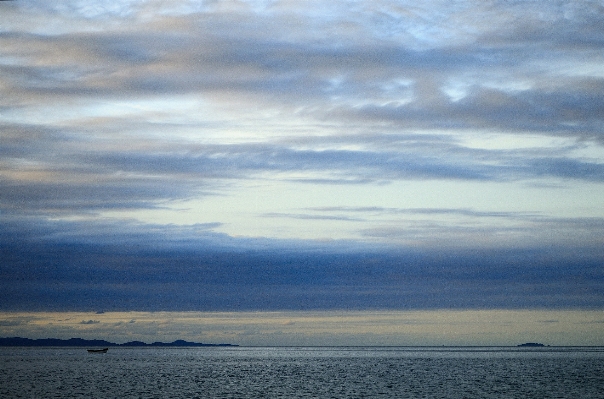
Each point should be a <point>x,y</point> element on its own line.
<point>532,345</point>
<point>18,341</point>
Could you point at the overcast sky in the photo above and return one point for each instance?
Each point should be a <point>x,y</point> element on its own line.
<point>301,155</point>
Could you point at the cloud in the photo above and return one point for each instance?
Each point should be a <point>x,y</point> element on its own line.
<point>58,173</point>
<point>567,168</point>
<point>419,211</point>
<point>90,322</point>
<point>156,271</point>
<point>16,321</point>
<point>297,71</point>
<point>310,217</point>
<point>114,113</point>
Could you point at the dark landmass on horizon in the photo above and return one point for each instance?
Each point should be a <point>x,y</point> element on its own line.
<point>80,342</point>
<point>18,341</point>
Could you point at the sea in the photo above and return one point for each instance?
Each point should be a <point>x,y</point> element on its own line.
<point>303,372</point>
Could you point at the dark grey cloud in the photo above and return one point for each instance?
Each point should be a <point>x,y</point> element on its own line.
<point>563,111</point>
<point>88,196</point>
<point>569,168</point>
<point>64,274</point>
<point>556,24</point>
<point>402,160</point>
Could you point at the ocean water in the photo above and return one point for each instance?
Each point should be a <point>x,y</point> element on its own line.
<point>243,372</point>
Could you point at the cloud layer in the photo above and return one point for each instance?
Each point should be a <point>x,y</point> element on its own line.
<point>145,146</point>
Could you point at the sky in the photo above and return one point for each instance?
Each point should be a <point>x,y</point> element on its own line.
<point>316,161</point>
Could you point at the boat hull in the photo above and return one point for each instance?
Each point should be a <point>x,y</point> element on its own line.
<point>98,350</point>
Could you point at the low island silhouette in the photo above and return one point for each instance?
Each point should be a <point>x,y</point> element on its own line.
<point>18,341</point>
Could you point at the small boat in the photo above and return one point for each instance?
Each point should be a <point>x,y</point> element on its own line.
<point>98,350</point>
<point>531,345</point>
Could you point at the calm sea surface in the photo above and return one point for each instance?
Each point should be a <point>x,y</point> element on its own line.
<point>302,373</point>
